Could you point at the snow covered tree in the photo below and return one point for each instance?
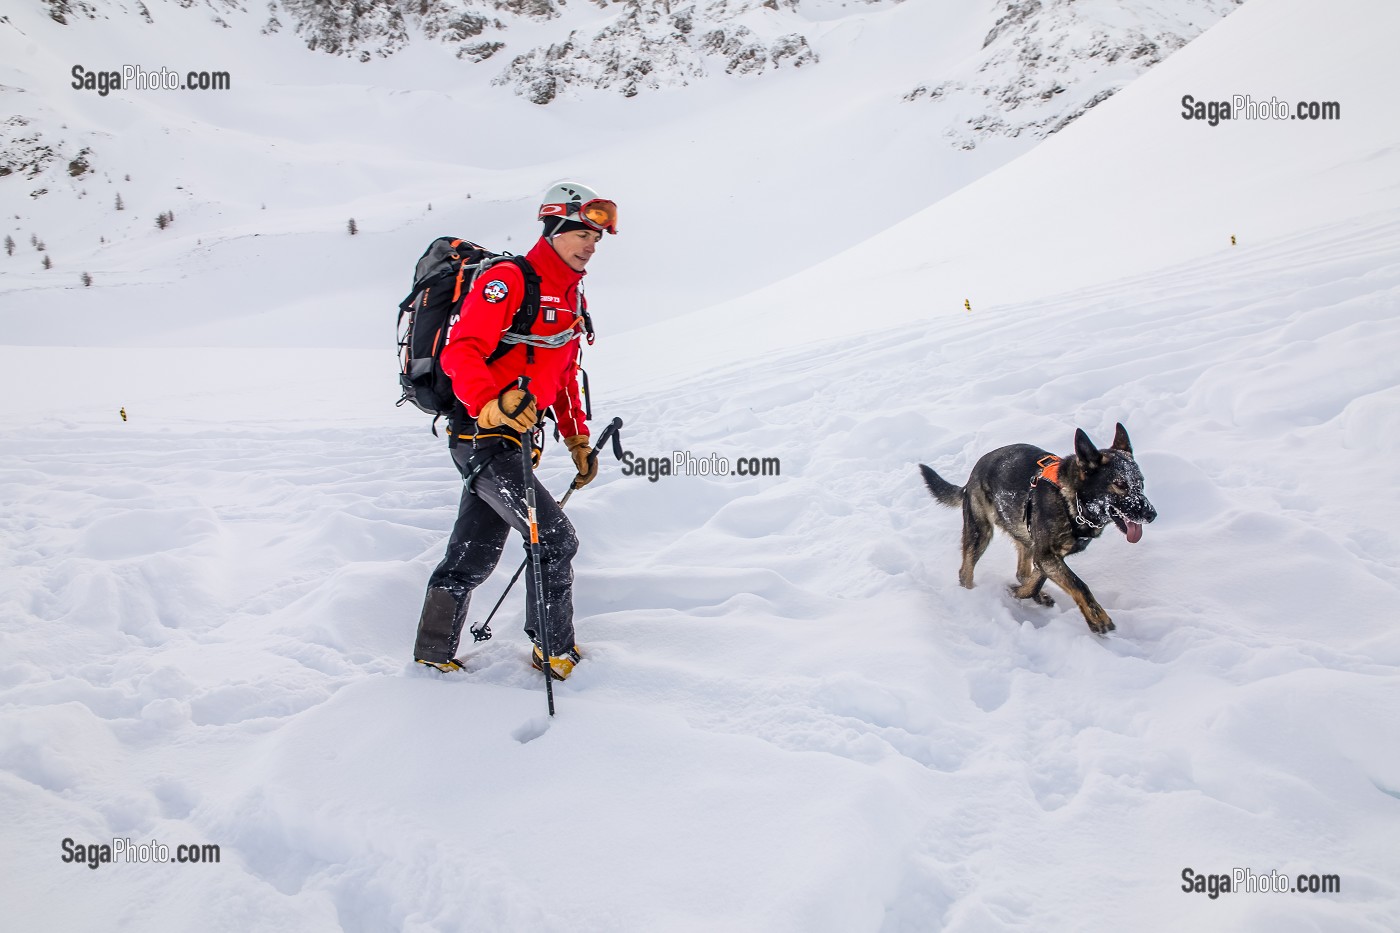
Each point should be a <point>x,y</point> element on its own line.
<point>48,263</point>
<point>163,220</point>
<point>9,245</point>
<point>87,280</point>
<point>352,227</point>
<point>121,205</point>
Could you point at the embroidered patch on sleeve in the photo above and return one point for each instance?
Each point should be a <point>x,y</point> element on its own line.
<point>495,291</point>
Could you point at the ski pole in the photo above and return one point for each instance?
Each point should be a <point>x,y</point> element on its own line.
<point>613,431</point>
<point>532,544</point>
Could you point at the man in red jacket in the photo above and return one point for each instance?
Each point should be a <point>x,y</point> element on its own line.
<point>493,431</point>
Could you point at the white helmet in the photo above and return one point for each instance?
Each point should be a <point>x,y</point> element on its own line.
<point>571,203</point>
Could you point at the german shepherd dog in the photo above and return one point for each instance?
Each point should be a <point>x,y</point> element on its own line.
<point>1051,507</point>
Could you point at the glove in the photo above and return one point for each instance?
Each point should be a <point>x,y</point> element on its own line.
<point>493,416</point>
<point>587,467</point>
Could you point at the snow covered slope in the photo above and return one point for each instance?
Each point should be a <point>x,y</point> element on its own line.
<point>1135,188</point>
<point>790,717</point>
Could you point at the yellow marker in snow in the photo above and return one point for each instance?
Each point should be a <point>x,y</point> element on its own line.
<point>1232,239</point>
<point>123,413</point>
<point>967,304</point>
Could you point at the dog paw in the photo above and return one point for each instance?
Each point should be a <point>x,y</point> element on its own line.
<point>1041,597</point>
<point>1102,625</point>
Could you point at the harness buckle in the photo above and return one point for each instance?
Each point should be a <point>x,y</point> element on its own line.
<point>1049,470</point>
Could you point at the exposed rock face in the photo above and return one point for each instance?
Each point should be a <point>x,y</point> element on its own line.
<point>364,29</point>
<point>650,45</point>
<point>24,150</point>
<point>64,11</point>
<point>379,28</point>
<point>1047,62</point>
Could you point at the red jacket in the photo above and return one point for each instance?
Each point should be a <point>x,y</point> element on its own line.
<point>487,311</point>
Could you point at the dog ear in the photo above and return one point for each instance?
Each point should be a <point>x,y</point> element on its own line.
<point>1085,450</point>
<point>1120,440</point>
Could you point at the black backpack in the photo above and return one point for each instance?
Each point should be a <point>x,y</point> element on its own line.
<point>442,278</point>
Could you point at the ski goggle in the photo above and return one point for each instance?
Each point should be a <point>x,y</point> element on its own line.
<point>600,214</point>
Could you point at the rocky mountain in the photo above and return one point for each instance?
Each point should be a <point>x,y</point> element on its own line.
<point>1032,74</point>
<point>978,72</point>
<point>1035,71</point>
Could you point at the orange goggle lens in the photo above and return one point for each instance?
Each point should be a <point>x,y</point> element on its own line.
<point>599,214</point>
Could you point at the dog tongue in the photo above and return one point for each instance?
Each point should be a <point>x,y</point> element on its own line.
<point>1134,532</point>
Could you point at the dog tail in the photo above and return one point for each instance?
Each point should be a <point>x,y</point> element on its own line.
<point>943,491</point>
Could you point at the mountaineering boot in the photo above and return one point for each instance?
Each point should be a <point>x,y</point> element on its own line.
<point>560,665</point>
<point>447,667</point>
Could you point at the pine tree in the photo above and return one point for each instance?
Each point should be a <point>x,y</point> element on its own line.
<point>352,227</point>
<point>121,205</point>
<point>9,245</point>
<point>87,280</point>
<point>34,240</point>
<point>48,263</point>
<point>162,220</point>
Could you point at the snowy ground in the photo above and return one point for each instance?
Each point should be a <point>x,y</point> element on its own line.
<point>790,717</point>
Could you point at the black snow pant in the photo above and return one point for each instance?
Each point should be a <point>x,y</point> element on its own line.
<point>494,505</point>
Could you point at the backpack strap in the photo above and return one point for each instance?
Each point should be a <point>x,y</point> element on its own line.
<point>587,318</point>
<point>456,422</point>
<point>525,315</point>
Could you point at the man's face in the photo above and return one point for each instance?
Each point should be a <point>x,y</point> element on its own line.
<point>576,247</point>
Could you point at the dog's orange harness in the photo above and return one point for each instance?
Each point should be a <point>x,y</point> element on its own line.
<point>1049,470</point>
